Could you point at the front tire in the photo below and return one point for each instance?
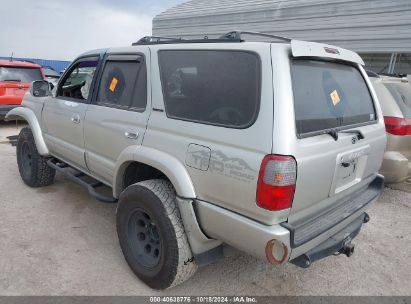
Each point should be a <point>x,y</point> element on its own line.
<point>152,236</point>
<point>33,167</point>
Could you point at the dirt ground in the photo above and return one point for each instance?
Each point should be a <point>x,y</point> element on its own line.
<point>58,240</point>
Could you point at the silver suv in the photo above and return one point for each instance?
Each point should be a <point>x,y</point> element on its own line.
<point>269,147</point>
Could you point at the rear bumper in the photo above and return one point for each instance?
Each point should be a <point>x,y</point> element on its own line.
<point>307,231</point>
<point>338,243</point>
<point>4,109</point>
<point>253,237</point>
<point>395,167</point>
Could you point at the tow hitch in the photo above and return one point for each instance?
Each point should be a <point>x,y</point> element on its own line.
<point>340,243</point>
<point>348,250</point>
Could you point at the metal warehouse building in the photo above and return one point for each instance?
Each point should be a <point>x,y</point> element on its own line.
<point>380,30</point>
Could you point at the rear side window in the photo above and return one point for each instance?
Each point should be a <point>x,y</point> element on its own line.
<point>20,74</point>
<point>329,95</point>
<point>402,95</point>
<point>212,87</point>
<point>124,84</point>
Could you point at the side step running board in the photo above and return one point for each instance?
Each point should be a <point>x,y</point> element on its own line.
<point>76,177</point>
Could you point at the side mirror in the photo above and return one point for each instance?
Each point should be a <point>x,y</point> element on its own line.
<point>40,88</point>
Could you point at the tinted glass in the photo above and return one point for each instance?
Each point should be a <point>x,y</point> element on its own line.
<point>139,101</point>
<point>402,95</point>
<point>78,83</point>
<point>118,83</point>
<point>213,87</point>
<point>329,95</point>
<point>20,74</point>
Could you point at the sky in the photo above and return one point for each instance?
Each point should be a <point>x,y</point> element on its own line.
<point>63,29</point>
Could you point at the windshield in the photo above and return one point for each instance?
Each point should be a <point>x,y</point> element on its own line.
<point>402,95</point>
<point>329,95</point>
<point>20,74</point>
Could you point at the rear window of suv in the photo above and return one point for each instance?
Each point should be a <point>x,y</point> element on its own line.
<point>20,74</point>
<point>402,95</point>
<point>329,95</point>
<point>213,87</point>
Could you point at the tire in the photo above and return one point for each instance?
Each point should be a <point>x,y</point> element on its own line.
<point>152,236</point>
<point>33,167</point>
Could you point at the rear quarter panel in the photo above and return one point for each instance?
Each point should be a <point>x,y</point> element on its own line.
<point>229,177</point>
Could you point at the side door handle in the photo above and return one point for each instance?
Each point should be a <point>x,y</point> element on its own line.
<point>75,118</point>
<point>131,134</point>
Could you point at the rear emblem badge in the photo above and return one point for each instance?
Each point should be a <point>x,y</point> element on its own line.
<point>354,140</point>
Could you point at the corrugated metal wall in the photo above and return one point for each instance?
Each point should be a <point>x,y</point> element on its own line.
<point>361,25</point>
<point>379,63</point>
<point>365,26</point>
<point>57,65</point>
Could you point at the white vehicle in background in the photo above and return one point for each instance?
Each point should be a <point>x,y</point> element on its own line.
<point>51,75</point>
<point>394,95</point>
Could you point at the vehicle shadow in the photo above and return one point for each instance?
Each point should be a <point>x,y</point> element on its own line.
<point>9,131</point>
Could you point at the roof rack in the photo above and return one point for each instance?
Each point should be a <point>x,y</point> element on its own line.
<point>169,40</point>
<point>234,36</point>
<point>237,35</point>
<point>155,39</point>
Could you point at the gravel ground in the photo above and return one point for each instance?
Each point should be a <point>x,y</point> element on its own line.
<point>59,241</point>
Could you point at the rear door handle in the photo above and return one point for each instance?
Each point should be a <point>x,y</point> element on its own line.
<point>75,119</point>
<point>131,134</point>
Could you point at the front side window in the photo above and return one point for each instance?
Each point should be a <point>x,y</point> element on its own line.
<point>329,95</point>
<point>77,84</point>
<point>124,84</point>
<point>16,74</point>
<point>213,87</point>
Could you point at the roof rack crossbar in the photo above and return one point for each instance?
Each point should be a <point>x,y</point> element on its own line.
<point>155,39</point>
<point>237,35</point>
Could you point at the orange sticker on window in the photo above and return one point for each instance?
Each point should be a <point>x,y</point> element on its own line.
<point>113,84</point>
<point>335,98</point>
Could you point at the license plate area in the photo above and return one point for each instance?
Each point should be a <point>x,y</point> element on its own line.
<point>349,169</point>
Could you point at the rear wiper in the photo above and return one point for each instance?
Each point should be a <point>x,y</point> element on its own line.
<point>358,132</point>
<point>334,133</point>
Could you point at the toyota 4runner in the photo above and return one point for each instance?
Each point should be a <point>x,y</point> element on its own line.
<point>269,147</point>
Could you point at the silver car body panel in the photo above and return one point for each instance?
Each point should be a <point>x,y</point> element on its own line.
<point>160,160</point>
<point>31,112</point>
<point>63,129</point>
<point>239,231</point>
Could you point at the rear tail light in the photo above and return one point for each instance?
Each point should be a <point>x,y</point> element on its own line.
<point>276,182</point>
<point>398,126</point>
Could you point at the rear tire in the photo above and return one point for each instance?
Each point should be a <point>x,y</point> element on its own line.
<point>152,236</point>
<point>33,167</point>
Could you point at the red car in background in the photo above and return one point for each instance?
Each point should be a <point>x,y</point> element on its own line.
<point>15,80</point>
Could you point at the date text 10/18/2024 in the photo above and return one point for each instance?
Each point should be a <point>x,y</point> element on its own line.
<point>203,299</point>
